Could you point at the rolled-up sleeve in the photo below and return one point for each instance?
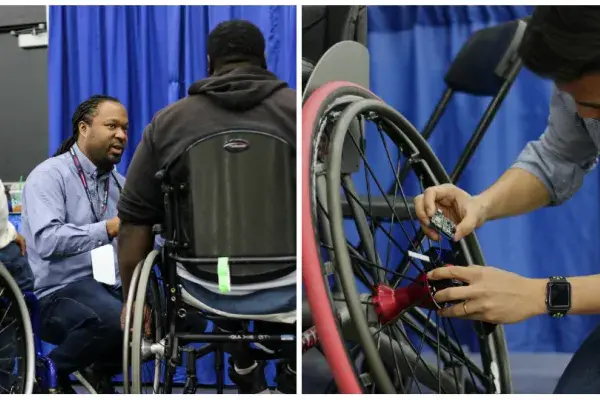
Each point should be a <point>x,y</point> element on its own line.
<point>564,153</point>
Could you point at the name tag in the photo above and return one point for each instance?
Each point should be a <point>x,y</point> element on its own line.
<point>103,264</point>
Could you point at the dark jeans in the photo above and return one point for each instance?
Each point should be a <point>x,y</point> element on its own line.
<point>19,269</point>
<point>18,266</point>
<point>84,320</point>
<point>582,375</point>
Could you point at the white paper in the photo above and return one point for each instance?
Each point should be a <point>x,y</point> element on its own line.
<point>103,264</point>
<point>418,256</point>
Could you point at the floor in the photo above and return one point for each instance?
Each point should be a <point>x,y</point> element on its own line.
<point>532,373</point>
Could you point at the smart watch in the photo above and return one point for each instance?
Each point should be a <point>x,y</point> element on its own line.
<point>558,296</point>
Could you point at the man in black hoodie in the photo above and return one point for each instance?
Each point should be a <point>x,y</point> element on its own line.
<point>239,93</point>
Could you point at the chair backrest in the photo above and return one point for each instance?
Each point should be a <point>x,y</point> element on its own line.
<point>233,194</point>
<point>484,62</point>
<point>307,69</point>
<point>324,26</point>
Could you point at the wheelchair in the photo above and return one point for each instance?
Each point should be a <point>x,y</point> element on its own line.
<point>229,203</point>
<point>375,323</point>
<point>23,367</point>
<point>17,349</point>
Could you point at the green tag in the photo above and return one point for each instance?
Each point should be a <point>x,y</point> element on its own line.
<point>223,272</point>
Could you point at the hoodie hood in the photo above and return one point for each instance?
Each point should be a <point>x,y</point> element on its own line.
<point>239,89</point>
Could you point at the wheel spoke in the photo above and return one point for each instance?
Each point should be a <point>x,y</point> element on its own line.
<point>357,257</point>
<point>389,244</point>
<point>364,261</point>
<point>396,365</point>
<point>390,237</point>
<point>452,348</point>
<point>439,366</point>
<point>383,193</point>
<point>462,353</point>
<point>452,363</point>
<point>397,183</point>
<point>422,342</point>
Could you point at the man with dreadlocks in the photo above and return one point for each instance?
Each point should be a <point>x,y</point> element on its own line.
<point>69,212</point>
<point>240,92</point>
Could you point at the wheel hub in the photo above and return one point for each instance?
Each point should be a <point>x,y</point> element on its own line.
<point>389,302</point>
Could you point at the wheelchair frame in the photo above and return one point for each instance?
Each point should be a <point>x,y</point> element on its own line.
<point>41,373</point>
<point>176,307</point>
<point>30,347</point>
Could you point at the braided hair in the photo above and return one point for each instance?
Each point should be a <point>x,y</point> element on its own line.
<point>85,112</point>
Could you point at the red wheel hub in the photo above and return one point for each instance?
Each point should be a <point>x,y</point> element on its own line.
<point>391,302</point>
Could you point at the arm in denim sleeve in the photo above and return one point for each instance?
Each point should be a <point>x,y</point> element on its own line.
<point>563,154</point>
<point>44,206</point>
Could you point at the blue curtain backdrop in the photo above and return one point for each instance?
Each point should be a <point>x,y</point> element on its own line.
<point>411,48</point>
<point>147,56</point>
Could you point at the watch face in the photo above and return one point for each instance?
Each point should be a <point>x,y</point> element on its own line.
<point>559,294</point>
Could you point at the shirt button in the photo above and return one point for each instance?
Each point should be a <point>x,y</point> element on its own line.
<point>99,242</point>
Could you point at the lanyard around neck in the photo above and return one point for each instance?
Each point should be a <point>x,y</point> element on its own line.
<point>86,188</point>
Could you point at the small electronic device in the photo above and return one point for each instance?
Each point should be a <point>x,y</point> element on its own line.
<point>438,258</point>
<point>443,225</point>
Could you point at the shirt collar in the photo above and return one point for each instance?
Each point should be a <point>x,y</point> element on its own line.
<point>87,166</point>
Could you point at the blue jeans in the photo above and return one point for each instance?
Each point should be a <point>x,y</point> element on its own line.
<point>18,267</point>
<point>582,375</point>
<point>84,320</point>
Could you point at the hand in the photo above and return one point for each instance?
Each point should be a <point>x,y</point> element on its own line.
<point>456,204</point>
<point>493,295</point>
<point>20,241</point>
<point>147,320</point>
<point>112,227</point>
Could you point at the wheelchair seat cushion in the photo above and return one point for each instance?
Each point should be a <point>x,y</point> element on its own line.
<point>275,304</point>
<point>237,289</point>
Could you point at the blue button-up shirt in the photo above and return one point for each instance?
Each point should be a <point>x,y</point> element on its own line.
<point>58,223</point>
<point>565,152</point>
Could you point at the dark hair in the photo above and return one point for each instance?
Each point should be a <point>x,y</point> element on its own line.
<point>84,112</point>
<point>562,43</point>
<point>236,41</point>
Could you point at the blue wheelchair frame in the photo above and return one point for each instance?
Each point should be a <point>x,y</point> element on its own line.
<point>45,370</point>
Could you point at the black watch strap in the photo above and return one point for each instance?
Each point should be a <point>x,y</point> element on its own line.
<point>558,296</point>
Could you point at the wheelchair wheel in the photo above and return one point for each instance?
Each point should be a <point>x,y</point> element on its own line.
<point>16,339</point>
<point>375,330</point>
<point>148,303</point>
<point>127,328</point>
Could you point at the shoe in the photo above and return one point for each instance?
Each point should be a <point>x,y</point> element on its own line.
<point>64,385</point>
<point>285,378</point>
<point>253,382</point>
<point>99,381</point>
